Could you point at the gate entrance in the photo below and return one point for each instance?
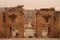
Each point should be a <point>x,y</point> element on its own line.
<point>29,26</point>
<point>45,31</point>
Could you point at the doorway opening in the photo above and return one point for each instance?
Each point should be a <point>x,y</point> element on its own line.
<point>14,32</point>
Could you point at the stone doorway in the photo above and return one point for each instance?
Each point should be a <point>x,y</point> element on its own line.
<point>14,32</point>
<point>45,30</point>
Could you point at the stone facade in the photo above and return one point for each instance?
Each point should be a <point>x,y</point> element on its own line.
<point>13,22</point>
<point>45,22</point>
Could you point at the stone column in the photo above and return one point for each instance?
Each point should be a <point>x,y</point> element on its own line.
<point>51,27</point>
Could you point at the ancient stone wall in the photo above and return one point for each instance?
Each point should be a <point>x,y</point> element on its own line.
<point>1,25</point>
<point>13,22</point>
<point>44,22</point>
<point>57,24</point>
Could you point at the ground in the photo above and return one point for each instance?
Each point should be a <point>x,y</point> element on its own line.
<point>31,39</point>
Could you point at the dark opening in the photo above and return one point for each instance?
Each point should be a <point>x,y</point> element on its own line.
<point>30,37</point>
<point>35,34</point>
<point>11,31</point>
<point>17,35</point>
<point>46,18</point>
<point>4,18</point>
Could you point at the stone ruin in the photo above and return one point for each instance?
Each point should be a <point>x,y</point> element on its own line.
<point>46,23</point>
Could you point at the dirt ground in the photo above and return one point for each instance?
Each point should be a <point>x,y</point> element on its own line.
<point>31,39</point>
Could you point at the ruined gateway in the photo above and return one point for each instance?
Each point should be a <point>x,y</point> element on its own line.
<point>12,21</point>
<point>46,23</point>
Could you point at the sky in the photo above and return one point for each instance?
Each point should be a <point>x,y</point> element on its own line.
<point>31,4</point>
